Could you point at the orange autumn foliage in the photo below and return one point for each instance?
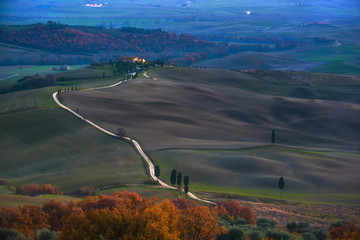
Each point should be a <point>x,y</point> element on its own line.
<point>57,213</point>
<point>347,231</point>
<point>34,189</point>
<point>237,211</point>
<point>27,219</point>
<point>121,216</point>
<point>182,203</point>
<point>200,223</point>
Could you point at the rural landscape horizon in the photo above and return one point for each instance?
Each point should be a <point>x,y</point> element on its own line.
<point>180,119</point>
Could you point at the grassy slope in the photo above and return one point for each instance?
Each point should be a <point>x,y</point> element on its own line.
<point>41,143</point>
<point>50,146</point>
<point>184,112</point>
<point>19,200</point>
<point>254,172</point>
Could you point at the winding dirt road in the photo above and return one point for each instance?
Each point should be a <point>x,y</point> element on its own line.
<point>130,140</point>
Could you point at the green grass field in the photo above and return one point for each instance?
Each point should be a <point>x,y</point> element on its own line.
<point>146,190</point>
<point>42,143</point>
<point>7,200</point>
<point>52,146</point>
<point>23,71</point>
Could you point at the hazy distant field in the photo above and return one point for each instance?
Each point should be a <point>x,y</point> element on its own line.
<point>203,123</point>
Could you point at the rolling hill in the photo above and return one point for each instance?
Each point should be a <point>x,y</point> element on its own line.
<point>213,125</point>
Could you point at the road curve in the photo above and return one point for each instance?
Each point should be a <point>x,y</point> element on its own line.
<point>130,140</point>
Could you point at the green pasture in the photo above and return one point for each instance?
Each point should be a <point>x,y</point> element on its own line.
<point>340,67</point>
<point>273,195</point>
<point>52,146</point>
<point>331,53</point>
<point>254,172</point>
<point>10,200</point>
<point>145,190</point>
<point>23,71</point>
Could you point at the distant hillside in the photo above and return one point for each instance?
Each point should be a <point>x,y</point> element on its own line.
<point>66,39</point>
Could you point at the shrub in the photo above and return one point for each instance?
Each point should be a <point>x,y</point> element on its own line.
<point>265,223</point>
<point>338,224</point>
<point>234,233</point>
<point>349,231</point>
<point>48,235</point>
<point>4,181</point>
<point>309,236</point>
<point>236,210</point>
<point>303,227</point>
<point>86,191</point>
<point>278,235</point>
<point>34,189</point>
<point>321,234</point>
<point>240,221</point>
<point>255,235</point>
<point>182,203</point>
<point>291,226</point>
<point>10,234</point>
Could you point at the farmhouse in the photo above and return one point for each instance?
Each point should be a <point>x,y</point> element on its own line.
<point>65,67</point>
<point>128,59</point>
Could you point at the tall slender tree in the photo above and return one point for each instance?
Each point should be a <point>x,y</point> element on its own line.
<point>273,136</point>
<point>173,177</point>
<point>179,179</point>
<point>157,171</point>
<point>186,189</point>
<point>281,185</point>
<point>186,180</point>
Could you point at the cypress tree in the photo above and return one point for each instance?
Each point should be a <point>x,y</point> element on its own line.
<point>186,189</point>
<point>173,177</point>
<point>186,180</point>
<point>273,136</point>
<point>281,185</point>
<point>157,171</point>
<point>179,179</point>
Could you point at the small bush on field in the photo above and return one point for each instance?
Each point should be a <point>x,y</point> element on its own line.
<point>321,234</point>
<point>278,235</point>
<point>265,223</point>
<point>309,236</point>
<point>291,226</point>
<point>255,235</point>
<point>10,234</point>
<point>86,191</point>
<point>234,233</point>
<point>348,231</point>
<point>303,227</point>
<point>34,189</point>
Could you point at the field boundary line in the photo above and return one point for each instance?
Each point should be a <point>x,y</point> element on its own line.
<point>133,141</point>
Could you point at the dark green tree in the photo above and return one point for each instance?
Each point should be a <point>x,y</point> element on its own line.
<point>186,189</point>
<point>173,177</point>
<point>157,171</point>
<point>186,180</point>
<point>281,185</point>
<point>273,136</point>
<point>179,179</point>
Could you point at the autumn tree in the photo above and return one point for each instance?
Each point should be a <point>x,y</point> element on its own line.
<point>281,185</point>
<point>57,213</point>
<point>179,179</point>
<point>173,177</point>
<point>200,223</point>
<point>234,209</point>
<point>182,203</point>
